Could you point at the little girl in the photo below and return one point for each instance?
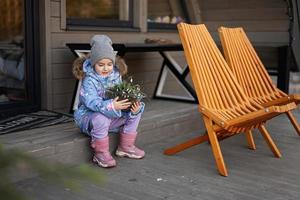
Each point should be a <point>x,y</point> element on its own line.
<point>96,114</point>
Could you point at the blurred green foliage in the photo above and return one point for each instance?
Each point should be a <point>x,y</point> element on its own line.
<point>15,162</point>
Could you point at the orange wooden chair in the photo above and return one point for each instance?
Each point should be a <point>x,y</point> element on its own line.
<point>226,109</point>
<point>251,73</point>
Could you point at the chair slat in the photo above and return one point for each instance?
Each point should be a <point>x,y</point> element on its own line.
<point>263,80</point>
<point>221,67</point>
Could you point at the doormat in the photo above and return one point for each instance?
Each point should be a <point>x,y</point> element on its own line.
<point>33,120</point>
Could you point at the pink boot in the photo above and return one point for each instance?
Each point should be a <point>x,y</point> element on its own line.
<point>102,156</point>
<point>127,148</point>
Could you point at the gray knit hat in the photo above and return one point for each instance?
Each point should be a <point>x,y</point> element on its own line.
<point>101,48</point>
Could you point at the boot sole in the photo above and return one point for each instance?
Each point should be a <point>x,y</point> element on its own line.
<point>125,154</point>
<point>99,163</point>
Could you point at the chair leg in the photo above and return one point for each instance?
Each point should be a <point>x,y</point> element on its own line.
<point>215,147</point>
<point>293,121</point>
<point>250,140</point>
<point>269,141</point>
<point>185,145</point>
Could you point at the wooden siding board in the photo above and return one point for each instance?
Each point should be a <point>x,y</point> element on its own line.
<point>148,89</point>
<point>62,56</point>
<point>143,56</point>
<point>46,69</point>
<point>257,4</point>
<point>61,71</point>
<point>55,24</point>
<point>142,68</point>
<point>63,13</point>
<point>63,86</point>
<point>254,14</point>
<point>252,26</point>
<point>271,39</point>
<point>55,8</point>
<point>225,4</point>
<point>62,101</point>
<point>143,78</point>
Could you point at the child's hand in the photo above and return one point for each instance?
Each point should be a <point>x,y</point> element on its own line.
<point>120,105</point>
<point>135,107</point>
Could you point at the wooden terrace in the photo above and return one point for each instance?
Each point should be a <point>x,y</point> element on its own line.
<point>190,174</point>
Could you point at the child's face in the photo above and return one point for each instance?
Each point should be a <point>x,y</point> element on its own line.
<point>104,67</point>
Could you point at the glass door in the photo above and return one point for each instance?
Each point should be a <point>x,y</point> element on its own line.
<point>19,76</point>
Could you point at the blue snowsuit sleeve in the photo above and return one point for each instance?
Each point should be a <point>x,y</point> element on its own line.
<point>92,100</point>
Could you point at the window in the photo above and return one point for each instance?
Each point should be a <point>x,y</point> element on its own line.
<point>99,13</point>
<point>166,14</point>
